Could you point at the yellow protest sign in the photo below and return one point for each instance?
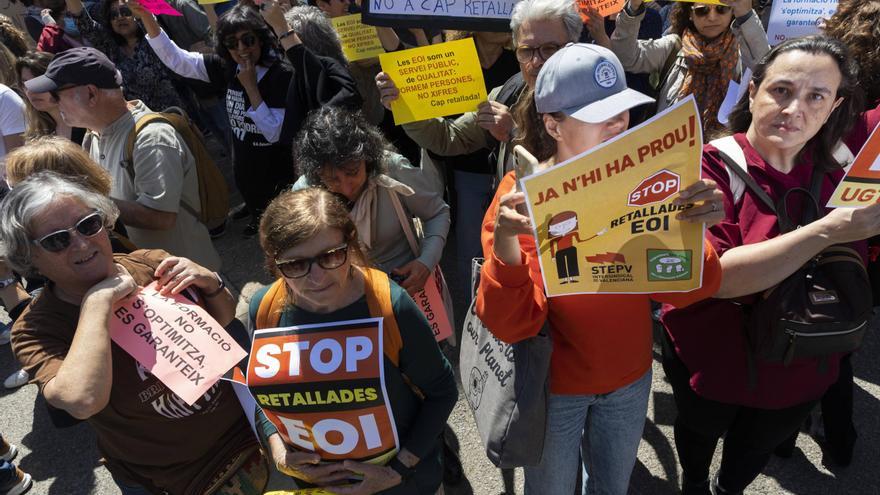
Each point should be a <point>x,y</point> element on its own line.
<point>359,41</point>
<point>208,2</point>
<point>861,185</point>
<point>605,220</point>
<point>435,80</point>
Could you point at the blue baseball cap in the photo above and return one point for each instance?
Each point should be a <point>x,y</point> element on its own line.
<point>586,82</point>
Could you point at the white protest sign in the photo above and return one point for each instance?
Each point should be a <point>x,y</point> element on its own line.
<point>735,92</point>
<point>795,18</point>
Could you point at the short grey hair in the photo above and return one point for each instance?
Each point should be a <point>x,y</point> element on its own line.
<point>316,31</point>
<point>30,198</point>
<point>543,10</point>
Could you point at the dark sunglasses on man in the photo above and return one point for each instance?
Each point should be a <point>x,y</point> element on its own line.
<point>88,226</point>
<point>247,39</point>
<point>703,10</point>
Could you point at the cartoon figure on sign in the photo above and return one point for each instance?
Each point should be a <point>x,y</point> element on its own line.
<point>563,231</point>
<point>478,383</point>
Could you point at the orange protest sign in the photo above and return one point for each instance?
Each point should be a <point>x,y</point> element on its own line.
<point>861,185</point>
<point>323,387</point>
<point>175,340</point>
<point>604,7</point>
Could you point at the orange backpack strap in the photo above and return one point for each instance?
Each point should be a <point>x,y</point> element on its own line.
<point>377,289</point>
<point>269,311</point>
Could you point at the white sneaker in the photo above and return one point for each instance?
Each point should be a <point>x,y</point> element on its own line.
<point>5,335</point>
<point>16,379</point>
<point>10,454</point>
<point>25,483</point>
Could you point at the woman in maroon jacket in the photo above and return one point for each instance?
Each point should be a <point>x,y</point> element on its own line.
<point>802,100</point>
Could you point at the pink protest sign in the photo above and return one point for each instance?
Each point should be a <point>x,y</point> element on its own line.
<point>176,340</point>
<point>159,7</point>
<point>430,301</point>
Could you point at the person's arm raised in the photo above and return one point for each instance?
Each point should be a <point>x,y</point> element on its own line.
<point>185,63</point>
<point>752,268</point>
<point>83,382</point>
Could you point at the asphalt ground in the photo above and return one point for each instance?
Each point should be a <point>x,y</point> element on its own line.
<point>65,461</point>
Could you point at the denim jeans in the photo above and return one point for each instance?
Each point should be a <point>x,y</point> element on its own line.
<point>126,489</point>
<point>473,195</point>
<point>605,429</point>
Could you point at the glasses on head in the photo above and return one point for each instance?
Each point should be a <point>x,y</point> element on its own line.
<point>247,39</point>
<point>329,260</point>
<point>703,10</point>
<point>120,12</point>
<point>58,241</point>
<point>525,53</point>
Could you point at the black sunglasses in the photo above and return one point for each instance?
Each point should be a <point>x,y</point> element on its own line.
<point>329,260</point>
<point>58,241</point>
<point>525,54</point>
<point>120,12</point>
<point>703,10</point>
<point>247,39</point>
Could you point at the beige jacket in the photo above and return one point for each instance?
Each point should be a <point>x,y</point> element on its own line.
<point>644,56</point>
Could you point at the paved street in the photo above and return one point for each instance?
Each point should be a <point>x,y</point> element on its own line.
<point>66,461</point>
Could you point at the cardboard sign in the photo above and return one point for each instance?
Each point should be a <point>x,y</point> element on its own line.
<point>604,220</point>
<point>861,185</point>
<point>160,7</point>
<point>359,41</point>
<point>430,301</point>
<point>605,7</point>
<point>797,18</point>
<point>323,387</point>
<point>435,81</point>
<point>175,340</point>
<point>465,15</point>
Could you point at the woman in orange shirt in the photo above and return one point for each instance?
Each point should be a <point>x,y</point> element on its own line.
<point>600,370</point>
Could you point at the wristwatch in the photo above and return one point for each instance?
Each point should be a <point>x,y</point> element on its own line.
<point>402,469</point>
<point>6,282</point>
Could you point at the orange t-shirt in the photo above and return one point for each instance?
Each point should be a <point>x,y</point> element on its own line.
<point>601,342</point>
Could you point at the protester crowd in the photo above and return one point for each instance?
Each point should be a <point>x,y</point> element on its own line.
<point>106,111</point>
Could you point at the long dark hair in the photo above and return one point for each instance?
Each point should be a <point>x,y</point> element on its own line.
<point>822,145</point>
<point>531,134</point>
<point>106,5</point>
<point>39,123</point>
<point>246,18</point>
<point>857,23</point>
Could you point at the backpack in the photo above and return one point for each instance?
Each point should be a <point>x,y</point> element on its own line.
<point>377,290</point>
<point>822,308</point>
<point>213,191</point>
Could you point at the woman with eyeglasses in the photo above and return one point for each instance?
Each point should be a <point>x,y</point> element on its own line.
<point>708,45</point>
<point>267,95</point>
<point>121,38</point>
<point>311,245</point>
<point>152,441</point>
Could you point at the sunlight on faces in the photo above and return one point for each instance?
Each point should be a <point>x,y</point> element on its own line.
<point>537,33</point>
<point>794,101</point>
<point>348,179</point>
<point>712,25</point>
<point>85,262</point>
<point>241,52</point>
<point>122,21</point>
<point>574,136</point>
<point>321,288</point>
<point>74,107</point>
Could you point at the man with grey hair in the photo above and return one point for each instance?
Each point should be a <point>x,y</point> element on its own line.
<point>157,201</point>
<point>540,28</point>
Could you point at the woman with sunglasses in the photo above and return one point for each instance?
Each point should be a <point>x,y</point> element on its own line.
<point>152,441</point>
<point>312,246</point>
<point>707,46</point>
<point>265,102</point>
<point>121,38</point>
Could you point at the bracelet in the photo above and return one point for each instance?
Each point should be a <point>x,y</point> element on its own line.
<point>285,35</point>
<point>219,289</point>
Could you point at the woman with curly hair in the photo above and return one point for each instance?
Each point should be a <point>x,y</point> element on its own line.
<point>708,45</point>
<point>339,151</point>
<point>265,102</point>
<point>13,37</point>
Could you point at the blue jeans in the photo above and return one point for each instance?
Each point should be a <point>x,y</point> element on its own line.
<point>131,489</point>
<point>605,428</point>
<point>473,194</point>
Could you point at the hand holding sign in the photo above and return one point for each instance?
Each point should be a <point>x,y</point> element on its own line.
<point>115,288</point>
<point>376,479</point>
